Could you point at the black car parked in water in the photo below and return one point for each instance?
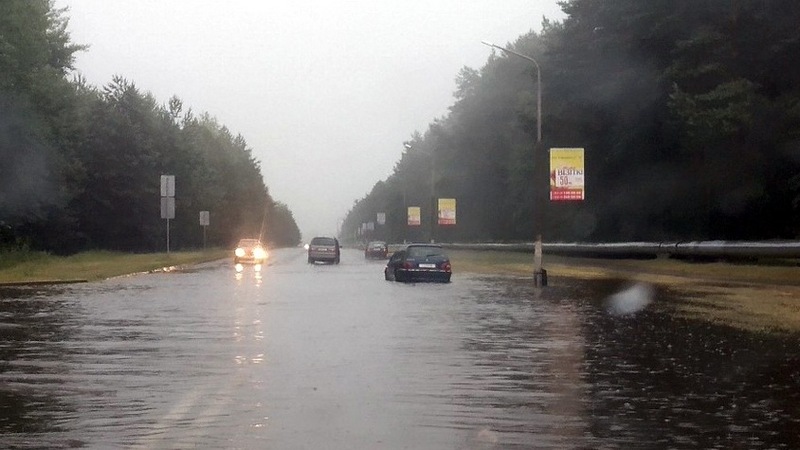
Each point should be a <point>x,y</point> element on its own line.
<point>419,262</point>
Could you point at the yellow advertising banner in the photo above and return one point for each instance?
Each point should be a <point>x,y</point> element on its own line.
<point>566,174</point>
<point>414,216</point>
<point>447,211</point>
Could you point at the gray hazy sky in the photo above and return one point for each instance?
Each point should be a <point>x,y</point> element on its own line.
<point>324,92</point>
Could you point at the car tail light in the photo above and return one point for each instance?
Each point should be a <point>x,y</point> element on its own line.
<point>446,267</point>
<point>407,265</point>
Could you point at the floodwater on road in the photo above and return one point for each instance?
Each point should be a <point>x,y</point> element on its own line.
<point>299,356</point>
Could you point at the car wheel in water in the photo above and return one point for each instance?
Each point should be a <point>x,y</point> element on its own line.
<point>397,276</point>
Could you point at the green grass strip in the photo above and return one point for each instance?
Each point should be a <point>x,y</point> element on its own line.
<point>91,266</point>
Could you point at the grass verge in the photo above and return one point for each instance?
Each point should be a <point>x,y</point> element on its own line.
<point>92,266</point>
<point>752,297</point>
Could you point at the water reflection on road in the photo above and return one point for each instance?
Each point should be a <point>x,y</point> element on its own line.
<point>331,356</point>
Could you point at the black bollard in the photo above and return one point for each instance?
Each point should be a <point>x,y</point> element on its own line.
<point>540,278</point>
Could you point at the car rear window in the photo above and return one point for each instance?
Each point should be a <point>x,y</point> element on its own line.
<point>424,252</point>
<point>323,241</point>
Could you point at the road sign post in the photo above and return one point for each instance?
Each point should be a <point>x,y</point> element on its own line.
<point>205,221</point>
<point>167,201</point>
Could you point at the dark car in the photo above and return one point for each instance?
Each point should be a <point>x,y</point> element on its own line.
<point>419,262</point>
<point>376,249</point>
<point>250,251</point>
<point>323,249</point>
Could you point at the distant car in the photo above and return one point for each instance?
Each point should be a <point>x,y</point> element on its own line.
<point>376,249</point>
<point>419,262</point>
<point>323,249</point>
<point>250,251</point>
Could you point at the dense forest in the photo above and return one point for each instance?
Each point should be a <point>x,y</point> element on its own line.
<point>80,166</point>
<point>688,111</point>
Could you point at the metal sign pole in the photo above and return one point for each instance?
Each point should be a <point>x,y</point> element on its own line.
<point>205,221</point>
<point>168,201</point>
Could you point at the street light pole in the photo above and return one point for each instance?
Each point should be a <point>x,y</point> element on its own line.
<point>539,274</point>
<point>538,86</point>
<point>433,215</point>
<point>406,233</point>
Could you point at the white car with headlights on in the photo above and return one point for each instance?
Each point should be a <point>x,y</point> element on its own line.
<point>250,251</point>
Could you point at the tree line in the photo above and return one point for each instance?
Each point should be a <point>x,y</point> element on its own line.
<point>689,114</point>
<point>80,166</point>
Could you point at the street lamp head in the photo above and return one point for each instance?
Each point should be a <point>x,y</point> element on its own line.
<point>494,46</point>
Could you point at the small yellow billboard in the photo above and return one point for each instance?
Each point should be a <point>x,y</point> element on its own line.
<point>566,174</point>
<point>414,216</point>
<point>447,211</point>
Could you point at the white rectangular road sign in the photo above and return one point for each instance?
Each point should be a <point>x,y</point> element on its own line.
<point>205,218</point>
<point>168,185</point>
<point>167,207</point>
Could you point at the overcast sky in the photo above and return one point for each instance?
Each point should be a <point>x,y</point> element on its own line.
<point>324,92</point>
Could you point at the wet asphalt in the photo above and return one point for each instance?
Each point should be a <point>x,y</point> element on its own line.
<point>299,356</point>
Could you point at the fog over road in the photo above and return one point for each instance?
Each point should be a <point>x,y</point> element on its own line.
<point>301,356</point>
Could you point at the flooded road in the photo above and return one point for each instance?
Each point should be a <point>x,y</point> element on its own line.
<point>301,356</point>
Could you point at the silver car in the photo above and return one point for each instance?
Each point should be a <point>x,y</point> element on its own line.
<point>323,249</point>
